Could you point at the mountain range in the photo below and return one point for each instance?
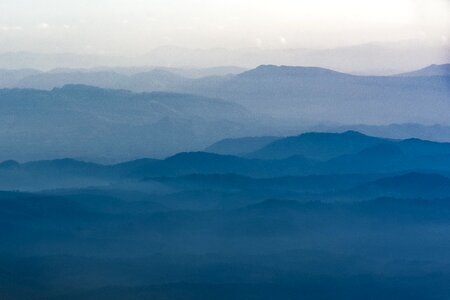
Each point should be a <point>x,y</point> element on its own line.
<point>373,59</point>
<point>302,94</point>
<point>268,100</point>
<point>295,97</point>
<point>82,121</point>
<point>312,94</point>
<point>306,154</point>
<point>326,215</point>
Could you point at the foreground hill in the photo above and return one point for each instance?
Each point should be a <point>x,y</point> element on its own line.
<point>79,247</point>
<point>370,219</point>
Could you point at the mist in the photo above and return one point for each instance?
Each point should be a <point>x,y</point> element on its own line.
<point>322,33</point>
<point>190,150</point>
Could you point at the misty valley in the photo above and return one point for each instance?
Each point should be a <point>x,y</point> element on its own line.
<point>224,150</point>
<point>272,183</point>
<point>313,216</point>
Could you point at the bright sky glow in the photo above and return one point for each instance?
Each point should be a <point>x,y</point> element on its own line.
<point>137,26</point>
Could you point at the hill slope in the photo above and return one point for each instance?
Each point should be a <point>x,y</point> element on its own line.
<point>304,94</point>
<point>322,146</point>
<point>83,121</point>
<point>240,146</point>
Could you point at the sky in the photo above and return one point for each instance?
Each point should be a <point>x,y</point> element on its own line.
<point>130,27</point>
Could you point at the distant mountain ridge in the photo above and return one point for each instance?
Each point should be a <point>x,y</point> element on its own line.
<point>321,146</point>
<point>354,154</point>
<point>413,184</point>
<point>268,100</point>
<point>435,132</point>
<point>311,94</point>
<point>291,93</point>
<point>240,146</point>
<point>133,78</point>
<point>289,71</point>
<point>85,121</point>
<point>369,58</point>
<point>432,70</point>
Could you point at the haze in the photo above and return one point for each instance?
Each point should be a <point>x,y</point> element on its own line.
<point>119,27</point>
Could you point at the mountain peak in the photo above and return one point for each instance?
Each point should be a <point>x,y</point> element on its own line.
<point>78,87</point>
<point>289,71</point>
<point>8,164</point>
<point>317,145</point>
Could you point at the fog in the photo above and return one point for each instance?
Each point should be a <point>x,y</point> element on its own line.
<point>256,149</point>
<point>128,32</point>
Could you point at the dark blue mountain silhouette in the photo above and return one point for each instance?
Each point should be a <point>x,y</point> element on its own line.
<point>320,146</point>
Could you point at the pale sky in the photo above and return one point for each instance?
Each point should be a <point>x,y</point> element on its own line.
<point>124,27</point>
